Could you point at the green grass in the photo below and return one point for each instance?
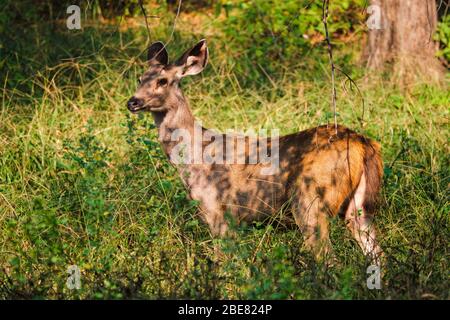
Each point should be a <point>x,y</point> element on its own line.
<point>83,182</point>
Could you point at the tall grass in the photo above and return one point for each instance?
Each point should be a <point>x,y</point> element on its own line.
<point>83,182</point>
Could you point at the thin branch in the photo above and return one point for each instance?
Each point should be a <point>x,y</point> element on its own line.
<point>352,82</point>
<point>146,21</point>
<point>174,23</point>
<point>148,28</point>
<point>325,5</point>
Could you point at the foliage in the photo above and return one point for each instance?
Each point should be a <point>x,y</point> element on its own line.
<point>83,182</point>
<point>443,36</point>
<point>27,11</point>
<point>285,30</point>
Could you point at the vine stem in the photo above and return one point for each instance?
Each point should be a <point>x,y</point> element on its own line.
<point>325,5</point>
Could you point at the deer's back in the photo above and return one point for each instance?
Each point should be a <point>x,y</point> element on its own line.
<point>314,164</point>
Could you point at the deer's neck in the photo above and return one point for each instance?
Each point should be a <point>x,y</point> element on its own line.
<point>173,122</point>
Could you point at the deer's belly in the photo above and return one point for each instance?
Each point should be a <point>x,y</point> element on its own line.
<point>244,197</point>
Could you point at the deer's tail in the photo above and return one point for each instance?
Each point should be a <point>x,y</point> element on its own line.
<point>373,170</point>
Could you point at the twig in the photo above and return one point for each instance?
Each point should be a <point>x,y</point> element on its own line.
<point>174,22</point>
<point>146,21</point>
<point>325,4</point>
<point>148,30</point>
<point>352,82</point>
<point>173,27</point>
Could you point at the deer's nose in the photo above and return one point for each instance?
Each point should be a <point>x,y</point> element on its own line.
<point>134,104</point>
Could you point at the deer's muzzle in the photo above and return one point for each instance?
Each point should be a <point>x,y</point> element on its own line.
<point>135,104</point>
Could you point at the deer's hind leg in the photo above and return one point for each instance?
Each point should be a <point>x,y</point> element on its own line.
<point>360,223</point>
<point>312,217</point>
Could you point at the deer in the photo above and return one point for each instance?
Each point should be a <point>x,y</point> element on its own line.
<point>322,172</point>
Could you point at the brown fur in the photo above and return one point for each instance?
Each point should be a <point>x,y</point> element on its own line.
<point>321,172</point>
<point>373,166</point>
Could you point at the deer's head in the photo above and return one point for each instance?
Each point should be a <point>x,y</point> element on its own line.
<point>158,89</point>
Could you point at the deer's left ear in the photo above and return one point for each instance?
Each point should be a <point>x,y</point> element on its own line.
<point>157,53</point>
<point>194,60</point>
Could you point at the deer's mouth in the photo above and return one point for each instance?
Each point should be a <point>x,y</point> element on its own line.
<point>146,107</point>
<point>137,109</point>
<point>157,109</point>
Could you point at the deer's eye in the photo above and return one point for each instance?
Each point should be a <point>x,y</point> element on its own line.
<point>161,82</point>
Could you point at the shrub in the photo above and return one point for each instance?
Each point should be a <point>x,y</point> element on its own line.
<point>283,30</point>
<point>442,35</point>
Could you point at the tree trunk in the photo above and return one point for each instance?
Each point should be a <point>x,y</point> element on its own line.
<point>403,40</point>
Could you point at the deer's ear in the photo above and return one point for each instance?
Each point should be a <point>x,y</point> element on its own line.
<point>157,53</point>
<point>194,60</point>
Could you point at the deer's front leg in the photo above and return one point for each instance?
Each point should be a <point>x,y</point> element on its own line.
<point>216,223</point>
<point>211,211</point>
<point>313,223</point>
<point>211,214</point>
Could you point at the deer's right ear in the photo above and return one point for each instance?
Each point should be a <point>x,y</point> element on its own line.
<point>157,53</point>
<point>194,60</point>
